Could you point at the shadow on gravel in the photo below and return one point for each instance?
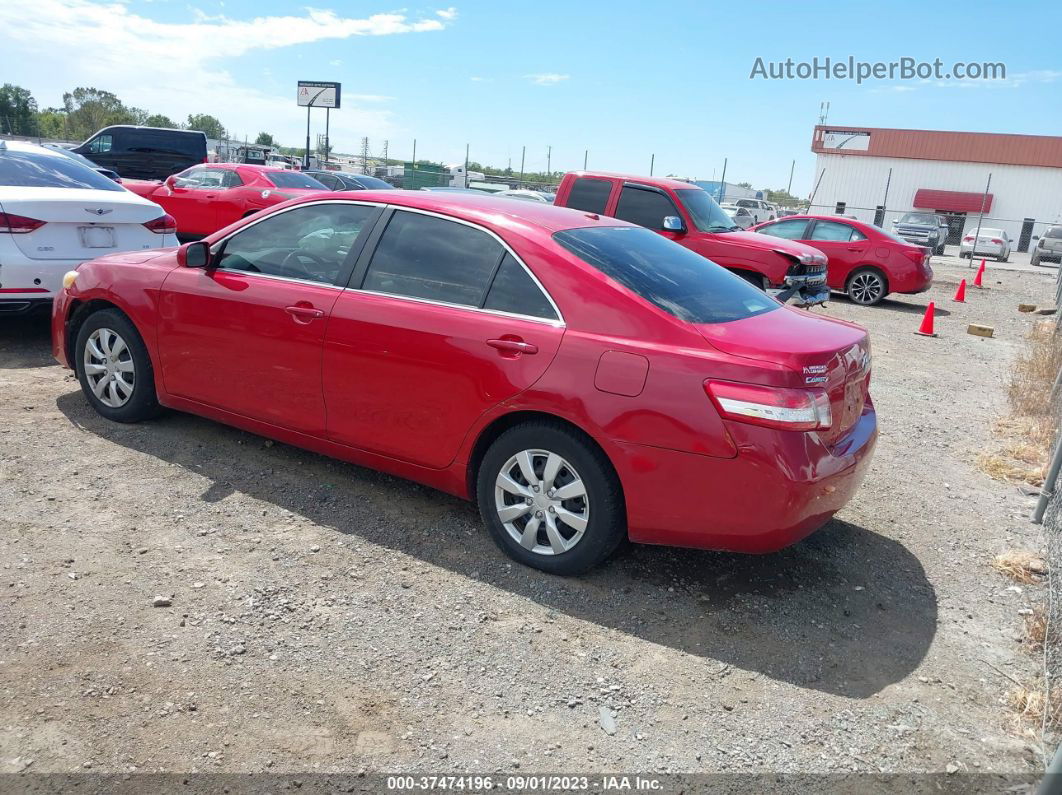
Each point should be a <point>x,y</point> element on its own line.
<point>26,341</point>
<point>891,305</point>
<point>846,611</point>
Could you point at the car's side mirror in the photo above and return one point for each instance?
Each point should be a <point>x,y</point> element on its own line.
<point>197,255</point>
<point>672,223</point>
<point>170,181</point>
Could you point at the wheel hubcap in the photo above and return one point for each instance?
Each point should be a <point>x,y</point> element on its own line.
<point>109,368</point>
<point>866,288</point>
<point>542,502</point>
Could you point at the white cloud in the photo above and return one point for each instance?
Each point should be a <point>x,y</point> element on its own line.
<point>336,62</point>
<point>177,68</point>
<point>449,14</point>
<point>546,78</point>
<point>478,79</point>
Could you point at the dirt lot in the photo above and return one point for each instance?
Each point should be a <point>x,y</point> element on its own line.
<point>328,618</point>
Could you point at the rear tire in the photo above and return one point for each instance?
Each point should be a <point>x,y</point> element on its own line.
<point>114,368</point>
<point>867,286</point>
<point>529,517</point>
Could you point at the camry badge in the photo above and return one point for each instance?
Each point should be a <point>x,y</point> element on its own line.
<point>97,210</point>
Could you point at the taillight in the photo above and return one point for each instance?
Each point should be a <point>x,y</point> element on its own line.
<point>772,407</point>
<point>997,241</point>
<point>967,239</point>
<point>18,224</point>
<point>163,225</point>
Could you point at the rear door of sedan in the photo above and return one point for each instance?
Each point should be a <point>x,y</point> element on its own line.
<point>246,334</point>
<point>442,322</point>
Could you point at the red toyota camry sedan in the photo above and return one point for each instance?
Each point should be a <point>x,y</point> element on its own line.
<point>865,261</point>
<point>581,378</point>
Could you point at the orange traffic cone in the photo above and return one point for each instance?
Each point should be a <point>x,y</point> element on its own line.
<point>926,329</point>
<point>980,275</point>
<point>960,294</point>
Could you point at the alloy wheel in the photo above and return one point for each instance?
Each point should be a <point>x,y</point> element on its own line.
<point>866,288</point>
<point>542,502</point>
<point>109,367</point>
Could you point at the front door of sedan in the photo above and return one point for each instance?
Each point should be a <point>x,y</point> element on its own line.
<point>447,323</point>
<point>844,246</point>
<point>245,335</point>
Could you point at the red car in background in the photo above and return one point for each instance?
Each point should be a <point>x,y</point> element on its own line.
<point>209,197</point>
<point>866,262</point>
<point>581,378</point>
<point>687,214</point>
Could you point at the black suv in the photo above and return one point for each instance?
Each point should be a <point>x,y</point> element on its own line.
<point>145,152</point>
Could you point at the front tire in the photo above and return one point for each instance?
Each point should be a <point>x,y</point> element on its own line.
<point>550,498</point>
<point>114,368</point>
<point>866,286</point>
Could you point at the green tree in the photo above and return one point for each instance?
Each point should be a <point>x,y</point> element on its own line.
<point>207,124</point>
<point>160,120</point>
<point>89,109</point>
<point>265,139</point>
<point>18,111</point>
<point>52,123</point>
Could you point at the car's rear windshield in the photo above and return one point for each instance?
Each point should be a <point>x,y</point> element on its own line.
<point>1054,231</point>
<point>293,179</point>
<point>35,170</point>
<point>372,183</point>
<point>666,274</point>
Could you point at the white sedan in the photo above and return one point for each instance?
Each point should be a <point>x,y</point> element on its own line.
<point>55,214</point>
<point>741,216</point>
<point>990,243</point>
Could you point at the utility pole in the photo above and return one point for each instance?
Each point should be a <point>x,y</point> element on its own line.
<point>722,184</point>
<point>586,155</point>
<point>652,162</point>
<point>789,189</point>
<point>549,153</point>
<point>328,146</point>
<point>980,218</point>
<point>365,155</point>
<point>466,164</point>
<point>523,153</point>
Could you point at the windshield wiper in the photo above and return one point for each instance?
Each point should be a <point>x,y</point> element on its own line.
<point>722,228</point>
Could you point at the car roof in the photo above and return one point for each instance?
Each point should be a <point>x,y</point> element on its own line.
<point>245,166</point>
<point>664,182</point>
<point>481,208</point>
<point>844,219</point>
<point>26,146</point>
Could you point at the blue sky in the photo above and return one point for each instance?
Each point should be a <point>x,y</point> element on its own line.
<point>625,80</point>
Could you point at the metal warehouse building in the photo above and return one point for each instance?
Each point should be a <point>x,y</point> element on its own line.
<point>878,174</point>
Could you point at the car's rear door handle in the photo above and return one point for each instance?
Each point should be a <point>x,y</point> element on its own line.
<point>513,346</point>
<point>304,312</point>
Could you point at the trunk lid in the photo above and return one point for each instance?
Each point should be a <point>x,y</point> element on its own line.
<point>821,352</point>
<point>81,224</point>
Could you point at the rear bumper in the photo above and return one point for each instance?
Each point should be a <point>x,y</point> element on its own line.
<point>781,487</point>
<point>22,305</point>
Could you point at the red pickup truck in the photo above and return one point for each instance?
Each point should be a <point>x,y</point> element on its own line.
<point>688,215</point>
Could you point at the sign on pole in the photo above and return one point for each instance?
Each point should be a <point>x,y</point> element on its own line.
<point>317,94</point>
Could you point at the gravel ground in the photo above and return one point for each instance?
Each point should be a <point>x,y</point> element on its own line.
<point>322,617</point>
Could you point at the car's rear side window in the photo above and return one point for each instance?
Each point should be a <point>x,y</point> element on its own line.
<point>589,195</point>
<point>666,274</point>
<point>423,256</point>
<point>33,170</point>
<point>514,291</point>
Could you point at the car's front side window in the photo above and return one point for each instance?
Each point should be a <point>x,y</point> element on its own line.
<point>101,144</point>
<point>310,242</point>
<point>644,207</point>
<point>423,256</point>
<point>790,230</point>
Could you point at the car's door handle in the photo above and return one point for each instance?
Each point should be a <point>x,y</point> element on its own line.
<point>513,346</point>
<point>855,248</point>
<point>304,313</point>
